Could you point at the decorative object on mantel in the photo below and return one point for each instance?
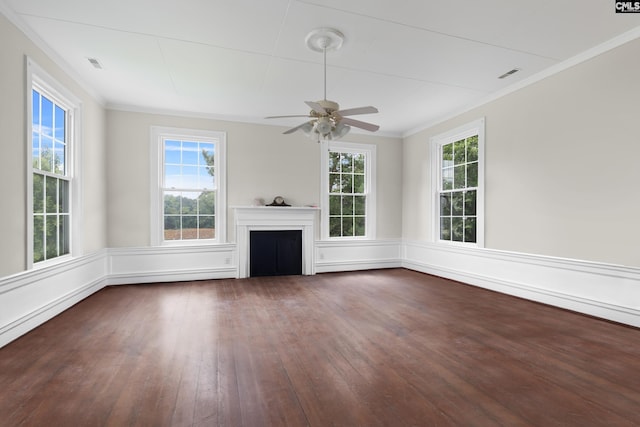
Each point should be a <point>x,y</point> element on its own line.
<point>258,201</point>
<point>278,201</point>
<point>328,121</point>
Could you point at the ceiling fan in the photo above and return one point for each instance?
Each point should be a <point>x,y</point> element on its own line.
<point>328,121</point>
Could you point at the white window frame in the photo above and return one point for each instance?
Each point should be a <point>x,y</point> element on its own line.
<point>476,127</point>
<point>37,78</point>
<point>369,150</point>
<point>158,135</point>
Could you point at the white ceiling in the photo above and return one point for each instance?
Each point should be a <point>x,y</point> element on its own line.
<point>416,60</point>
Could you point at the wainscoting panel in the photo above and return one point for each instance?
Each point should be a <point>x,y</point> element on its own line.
<point>31,298</point>
<point>171,263</point>
<point>606,291</point>
<point>357,255</point>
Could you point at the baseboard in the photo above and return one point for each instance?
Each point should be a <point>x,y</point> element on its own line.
<point>31,298</point>
<point>601,290</point>
<point>331,256</point>
<point>171,263</point>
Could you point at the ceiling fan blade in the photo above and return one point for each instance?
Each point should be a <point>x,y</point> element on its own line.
<point>359,110</point>
<point>357,123</point>
<point>284,117</point>
<point>316,107</point>
<point>292,130</point>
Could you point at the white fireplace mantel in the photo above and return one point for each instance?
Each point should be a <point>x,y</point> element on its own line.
<point>249,218</point>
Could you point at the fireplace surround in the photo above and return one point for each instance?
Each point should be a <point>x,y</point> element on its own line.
<point>274,218</point>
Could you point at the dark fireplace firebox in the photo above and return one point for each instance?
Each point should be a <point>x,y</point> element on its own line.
<point>275,252</point>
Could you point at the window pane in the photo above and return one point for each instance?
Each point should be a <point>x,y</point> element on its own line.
<point>347,205</point>
<point>358,183</point>
<point>35,109</point>
<point>47,117</point>
<point>172,177</point>
<point>206,228</point>
<point>347,226</point>
<point>472,148</point>
<point>171,203</point>
<point>59,158</point>
<point>172,228</point>
<point>63,233</point>
<point>346,162</point>
<point>35,151</point>
<point>51,186</point>
<point>459,174</point>
<point>172,152</point>
<point>190,153</point>
<point>335,184</point>
<point>470,203</point>
<point>206,203</point>
<point>189,227</point>
<point>46,155</point>
<point>459,152</point>
<point>470,230</point>
<point>347,183</point>
<point>335,205</point>
<point>63,196</point>
<point>334,160</point>
<point>447,179</point>
<point>457,229</point>
<point>445,228</point>
<point>38,193</point>
<point>59,132</point>
<point>472,175</point>
<point>38,238</point>
<point>207,154</point>
<point>189,177</point>
<point>51,236</point>
<point>358,163</point>
<point>360,205</point>
<point>189,201</point>
<point>457,203</point>
<point>205,178</point>
<point>447,155</point>
<point>359,226</point>
<point>335,226</point>
<point>445,204</point>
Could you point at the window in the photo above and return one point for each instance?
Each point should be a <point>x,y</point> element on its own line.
<point>188,186</point>
<point>348,207</point>
<point>458,185</point>
<point>52,176</point>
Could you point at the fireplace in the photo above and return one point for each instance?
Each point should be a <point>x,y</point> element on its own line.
<point>249,219</point>
<point>275,252</point>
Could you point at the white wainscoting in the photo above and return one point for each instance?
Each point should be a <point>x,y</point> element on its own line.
<point>171,263</point>
<point>29,299</point>
<point>602,290</point>
<point>357,255</point>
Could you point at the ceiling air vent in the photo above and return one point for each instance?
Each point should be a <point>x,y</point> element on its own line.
<point>95,63</point>
<point>508,73</point>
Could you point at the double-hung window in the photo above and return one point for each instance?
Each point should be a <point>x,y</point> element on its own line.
<point>348,208</point>
<point>53,199</point>
<point>188,200</point>
<point>458,164</point>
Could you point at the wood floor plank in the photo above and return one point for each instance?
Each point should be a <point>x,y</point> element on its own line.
<point>370,348</point>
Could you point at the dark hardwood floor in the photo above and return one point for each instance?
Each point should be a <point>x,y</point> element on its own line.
<point>386,347</point>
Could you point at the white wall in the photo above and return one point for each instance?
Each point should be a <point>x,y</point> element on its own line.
<point>14,46</point>
<point>561,165</point>
<point>261,162</point>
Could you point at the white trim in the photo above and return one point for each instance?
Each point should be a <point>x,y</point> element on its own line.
<point>370,177</point>
<point>597,289</point>
<point>350,255</point>
<point>157,133</point>
<point>464,131</point>
<point>37,76</point>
